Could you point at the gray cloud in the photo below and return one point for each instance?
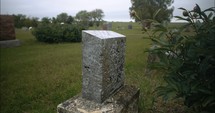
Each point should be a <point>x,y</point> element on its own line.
<point>115,10</point>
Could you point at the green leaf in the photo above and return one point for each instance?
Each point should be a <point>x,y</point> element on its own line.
<point>158,65</point>
<point>205,91</point>
<point>204,15</point>
<point>172,83</point>
<point>156,13</point>
<point>181,18</point>
<point>182,8</point>
<point>160,27</point>
<point>210,15</point>
<point>209,9</point>
<point>161,34</point>
<point>208,100</point>
<point>185,26</point>
<point>150,20</point>
<point>160,42</point>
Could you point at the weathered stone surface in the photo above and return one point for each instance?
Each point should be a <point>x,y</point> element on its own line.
<point>10,43</point>
<point>103,89</point>
<point>7,30</point>
<point>103,64</point>
<point>124,101</point>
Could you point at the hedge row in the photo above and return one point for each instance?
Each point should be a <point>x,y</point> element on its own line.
<point>56,33</point>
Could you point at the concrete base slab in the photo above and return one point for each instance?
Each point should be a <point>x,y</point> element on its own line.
<point>123,101</point>
<point>10,43</point>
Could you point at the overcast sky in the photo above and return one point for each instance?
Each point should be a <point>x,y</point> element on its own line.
<point>114,10</point>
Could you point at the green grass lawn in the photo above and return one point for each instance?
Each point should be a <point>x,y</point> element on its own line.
<point>35,77</point>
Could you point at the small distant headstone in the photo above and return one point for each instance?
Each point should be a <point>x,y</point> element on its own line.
<point>129,26</point>
<point>118,27</point>
<point>109,26</point>
<point>103,89</point>
<point>104,26</point>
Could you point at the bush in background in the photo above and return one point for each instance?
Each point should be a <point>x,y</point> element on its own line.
<point>56,33</point>
<point>187,60</point>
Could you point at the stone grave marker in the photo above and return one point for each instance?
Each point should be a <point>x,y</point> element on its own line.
<point>104,26</point>
<point>107,26</point>
<point>129,26</point>
<point>103,89</point>
<point>103,64</point>
<point>7,32</point>
<point>7,28</point>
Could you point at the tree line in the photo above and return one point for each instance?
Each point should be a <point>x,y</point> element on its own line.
<point>83,18</point>
<point>21,20</point>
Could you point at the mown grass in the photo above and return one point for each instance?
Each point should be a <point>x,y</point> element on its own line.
<point>36,77</point>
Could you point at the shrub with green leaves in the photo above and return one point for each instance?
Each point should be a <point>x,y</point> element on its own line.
<point>56,33</point>
<point>187,60</point>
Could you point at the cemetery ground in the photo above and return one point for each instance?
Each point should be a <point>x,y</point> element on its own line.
<point>35,77</point>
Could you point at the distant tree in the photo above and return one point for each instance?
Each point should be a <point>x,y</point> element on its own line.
<point>83,18</point>
<point>19,20</point>
<point>145,9</point>
<point>45,20</point>
<point>70,20</point>
<point>54,20</point>
<point>96,16</point>
<point>34,21</point>
<point>65,18</point>
<point>82,15</point>
<point>62,17</point>
<point>27,22</point>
